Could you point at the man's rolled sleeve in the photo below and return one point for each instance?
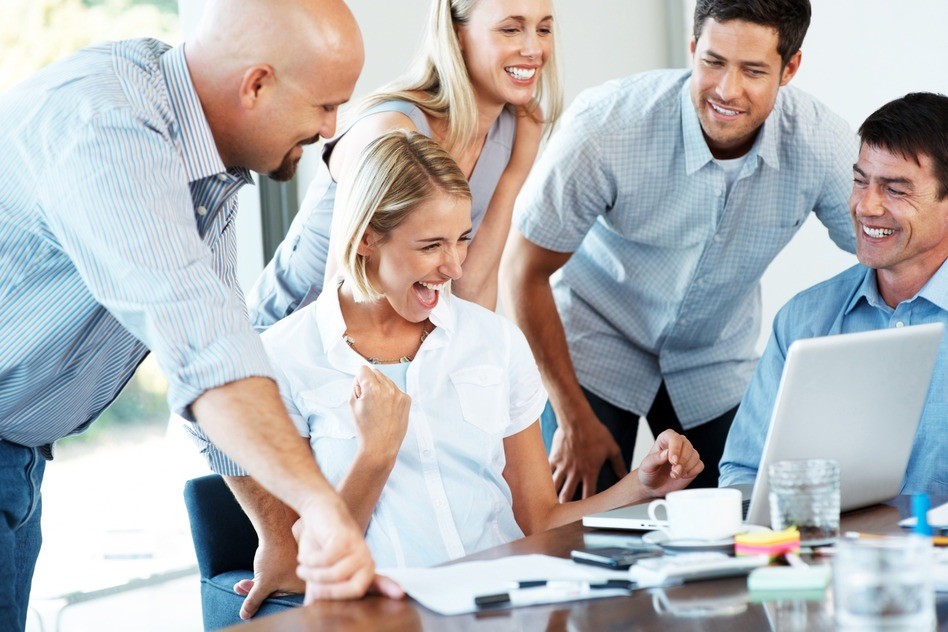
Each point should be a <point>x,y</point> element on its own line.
<point>220,364</point>
<point>219,462</point>
<point>568,189</point>
<point>229,358</point>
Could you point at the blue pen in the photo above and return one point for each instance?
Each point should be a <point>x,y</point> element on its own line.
<point>920,507</point>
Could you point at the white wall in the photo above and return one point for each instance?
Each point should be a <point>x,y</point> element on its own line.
<point>860,54</point>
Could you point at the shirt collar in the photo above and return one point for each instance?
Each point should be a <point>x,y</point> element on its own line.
<point>201,159</point>
<point>697,154</point>
<point>331,325</point>
<point>935,291</point>
<point>328,315</point>
<point>443,316</point>
<point>869,291</point>
<point>768,141</point>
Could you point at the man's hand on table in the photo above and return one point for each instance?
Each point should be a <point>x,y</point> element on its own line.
<point>334,559</point>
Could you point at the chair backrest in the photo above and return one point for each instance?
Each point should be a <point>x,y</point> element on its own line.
<point>224,538</point>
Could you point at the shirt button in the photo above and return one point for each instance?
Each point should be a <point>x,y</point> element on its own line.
<point>716,238</point>
<point>202,210</point>
<point>899,325</point>
<point>426,453</point>
<point>222,177</point>
<point>439,503</point>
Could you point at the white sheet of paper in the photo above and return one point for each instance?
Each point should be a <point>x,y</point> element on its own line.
<point>451,589</point>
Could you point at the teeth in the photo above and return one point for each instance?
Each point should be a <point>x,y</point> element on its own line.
<point>521,74</point>
<point>723,111</point>
<point>432,286</point>
<point>877,232</point>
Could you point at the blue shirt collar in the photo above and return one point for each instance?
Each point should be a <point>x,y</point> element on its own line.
<point>935,291</point>
<point>201,159</point>
<point>697,154</point>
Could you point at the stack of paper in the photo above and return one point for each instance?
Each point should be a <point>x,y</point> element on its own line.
<point>451,589</point>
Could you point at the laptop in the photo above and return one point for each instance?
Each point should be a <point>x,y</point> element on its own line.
<point>856,398</point>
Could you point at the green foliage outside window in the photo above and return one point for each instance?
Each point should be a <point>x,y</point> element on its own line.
<point>34,33</point>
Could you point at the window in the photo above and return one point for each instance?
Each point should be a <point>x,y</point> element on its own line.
<point>112,503</point>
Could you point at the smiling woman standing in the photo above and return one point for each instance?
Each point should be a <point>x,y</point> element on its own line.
<point>479,87</point>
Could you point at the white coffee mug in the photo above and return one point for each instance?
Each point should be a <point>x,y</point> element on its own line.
<point>700,514</point>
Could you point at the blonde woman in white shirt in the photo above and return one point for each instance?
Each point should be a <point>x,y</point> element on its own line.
<point>421,408</point>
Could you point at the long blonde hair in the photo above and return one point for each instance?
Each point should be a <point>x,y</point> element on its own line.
<point>393,174</point>
<point>438,83</point>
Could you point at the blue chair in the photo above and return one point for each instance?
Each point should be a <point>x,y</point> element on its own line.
<point>225,543</point>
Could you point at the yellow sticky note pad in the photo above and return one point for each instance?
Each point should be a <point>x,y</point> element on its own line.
<point>772,543</point>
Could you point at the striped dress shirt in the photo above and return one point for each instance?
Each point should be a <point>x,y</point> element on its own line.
<point>663,283</point>
<point>116,238</point>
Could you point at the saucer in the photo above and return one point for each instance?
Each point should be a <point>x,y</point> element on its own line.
<point>724,545</point>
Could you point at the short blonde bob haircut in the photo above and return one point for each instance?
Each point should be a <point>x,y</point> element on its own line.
<point>440,75</point>
<point>394,174</point>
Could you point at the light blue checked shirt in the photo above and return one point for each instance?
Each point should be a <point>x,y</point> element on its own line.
<point>116,237</point>
<point>664,278</point>
<point>847,303</point>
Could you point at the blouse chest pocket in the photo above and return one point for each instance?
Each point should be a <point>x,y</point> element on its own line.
<point>482,393</point>
<point>327,410</point>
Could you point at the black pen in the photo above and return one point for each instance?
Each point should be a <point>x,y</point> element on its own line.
<point>624,584</point>
<point>546,590</point>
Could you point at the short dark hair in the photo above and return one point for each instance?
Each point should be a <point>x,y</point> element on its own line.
<point>913,125</point>
<point>791,19</point>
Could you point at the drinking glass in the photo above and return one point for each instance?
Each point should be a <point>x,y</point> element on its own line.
<point>884,584</point>
<point>805,494</point>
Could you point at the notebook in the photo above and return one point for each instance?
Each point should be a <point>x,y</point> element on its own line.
<point>856,398</point>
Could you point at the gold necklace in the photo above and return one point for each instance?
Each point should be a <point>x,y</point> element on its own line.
<point>373,360</point>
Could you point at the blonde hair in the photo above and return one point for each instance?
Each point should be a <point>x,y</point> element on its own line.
<point>394,174</point>
<point>440,76</point>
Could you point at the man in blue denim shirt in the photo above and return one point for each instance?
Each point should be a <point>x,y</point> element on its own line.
<point>899,206</point>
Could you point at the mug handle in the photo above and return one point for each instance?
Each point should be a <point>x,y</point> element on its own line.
<point>654,505</point>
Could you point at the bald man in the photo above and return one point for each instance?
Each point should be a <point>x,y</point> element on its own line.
<point>119,167</point>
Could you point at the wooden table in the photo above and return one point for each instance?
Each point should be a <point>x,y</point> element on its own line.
<point>723,604</point>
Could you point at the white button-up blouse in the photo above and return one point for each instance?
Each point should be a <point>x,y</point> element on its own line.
<point>473,382</point>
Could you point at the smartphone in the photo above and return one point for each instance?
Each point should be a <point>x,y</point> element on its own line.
<point>615,557</point>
